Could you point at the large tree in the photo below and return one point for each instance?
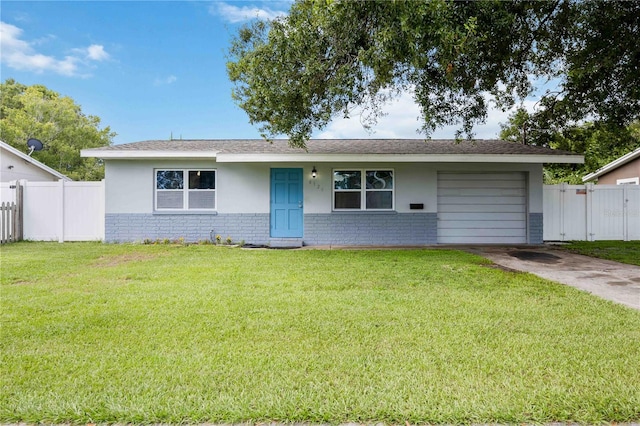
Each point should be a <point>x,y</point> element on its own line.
<point>37,112</point>
<point>294,74</point>
<point>599,142</point>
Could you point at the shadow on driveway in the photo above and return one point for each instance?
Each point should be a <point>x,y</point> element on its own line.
<point>610,280</point>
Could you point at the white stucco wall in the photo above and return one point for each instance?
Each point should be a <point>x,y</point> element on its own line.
<point>244,187</point>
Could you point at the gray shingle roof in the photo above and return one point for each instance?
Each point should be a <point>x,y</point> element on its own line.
<point>336,146</point>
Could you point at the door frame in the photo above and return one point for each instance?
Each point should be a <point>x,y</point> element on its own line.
<point>289,233</point>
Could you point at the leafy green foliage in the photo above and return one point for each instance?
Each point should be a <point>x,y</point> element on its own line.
<point>37,112</point>
<point>294,74</point>
<point>106,333</point>
<point>599,142</point>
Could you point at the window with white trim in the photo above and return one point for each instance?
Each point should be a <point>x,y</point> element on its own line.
<point>363,189</point>
<point>185,189</point>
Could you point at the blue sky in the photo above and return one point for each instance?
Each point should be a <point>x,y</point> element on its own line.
<point>152,69</point>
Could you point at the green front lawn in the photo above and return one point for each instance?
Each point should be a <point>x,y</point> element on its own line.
<point>619,251</point>
<point>191,334</point>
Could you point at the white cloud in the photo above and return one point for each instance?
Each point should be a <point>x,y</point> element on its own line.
<point>235,14</point>
<point>96,52</point>
<point>166,80</point>
<point>402,121</point>
<point>21,55</point>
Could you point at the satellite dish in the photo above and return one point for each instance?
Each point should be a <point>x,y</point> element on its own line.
<point>34,145</point>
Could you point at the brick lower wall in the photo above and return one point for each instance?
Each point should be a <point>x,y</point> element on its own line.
<point>535,228</point>
<point>252,228</point>
<point>366,228</point>
<point>369,228</point>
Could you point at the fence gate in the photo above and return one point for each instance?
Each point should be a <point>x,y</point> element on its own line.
<point>591,212</point>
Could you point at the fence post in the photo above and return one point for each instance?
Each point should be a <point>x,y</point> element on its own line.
<point>563,201</point>
<point>19,232</point>
<point>2,216</point>
<point>589,211</point>
<point>625,212</point>
<point>103,208</point>
<point>61,227</point>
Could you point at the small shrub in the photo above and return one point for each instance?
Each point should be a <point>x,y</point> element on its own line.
<point>218,239</point>
<point>228,240</point>
<point>147,241</point>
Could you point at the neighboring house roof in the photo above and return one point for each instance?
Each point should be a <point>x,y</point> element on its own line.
<point>324,150</point>
<point>33,161</point>
<point>607,168</point>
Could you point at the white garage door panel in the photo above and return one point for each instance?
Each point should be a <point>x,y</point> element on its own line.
<point>455,184</point>
<point>489,200</point>
<point>487,232</point>
<point>499,176</point>
<point>482,240</point>
<point>474,217</point>
<point>486,192</point>
<point>482,208</point>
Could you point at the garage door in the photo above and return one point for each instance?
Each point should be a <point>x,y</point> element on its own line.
<point>482,208</point>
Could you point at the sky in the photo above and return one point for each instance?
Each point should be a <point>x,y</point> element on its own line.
<point>156,69</point>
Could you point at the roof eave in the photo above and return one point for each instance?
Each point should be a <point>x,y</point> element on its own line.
<point>146,155</point>
<point>332,158</point>
<point>399,158</point>
<point>612,165</point>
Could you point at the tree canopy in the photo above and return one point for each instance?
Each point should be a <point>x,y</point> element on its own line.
<point>37,112</point>
<point>599,142</point>
<point>294,74</point>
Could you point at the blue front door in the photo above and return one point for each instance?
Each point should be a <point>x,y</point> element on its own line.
<point>286,203</point>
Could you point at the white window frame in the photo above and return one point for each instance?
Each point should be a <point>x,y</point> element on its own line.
<point>363,189</point>
<point>628,181</point>
<point>185,190</point>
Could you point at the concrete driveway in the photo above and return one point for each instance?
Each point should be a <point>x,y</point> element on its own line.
<point>610,280</point>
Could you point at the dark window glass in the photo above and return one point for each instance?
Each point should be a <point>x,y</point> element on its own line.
<point>380,179</point>
<point>169,179</point>
<point>202,180</point>
<point>347,200</point>
<point>379,200</point>
<point>347,179</point>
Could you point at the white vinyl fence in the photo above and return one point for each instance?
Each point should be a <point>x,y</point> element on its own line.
<point>591,212</point>
<point>60,211</point>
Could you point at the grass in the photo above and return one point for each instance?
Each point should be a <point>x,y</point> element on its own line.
<point>96,333</point>
<point>619,251</point>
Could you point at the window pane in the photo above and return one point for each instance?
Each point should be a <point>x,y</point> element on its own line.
<point>169,199</point>
<point>379,199</point>
<point>347,179</point>
<point>202,179</point>
<point>380,179</point>
<point>169,179</point>
<point>347,200</point>
<point>202,199</point>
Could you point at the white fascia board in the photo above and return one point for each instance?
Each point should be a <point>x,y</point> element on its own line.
<point>398,158</point>
<point>137,155</point>
<point>613,165</point>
